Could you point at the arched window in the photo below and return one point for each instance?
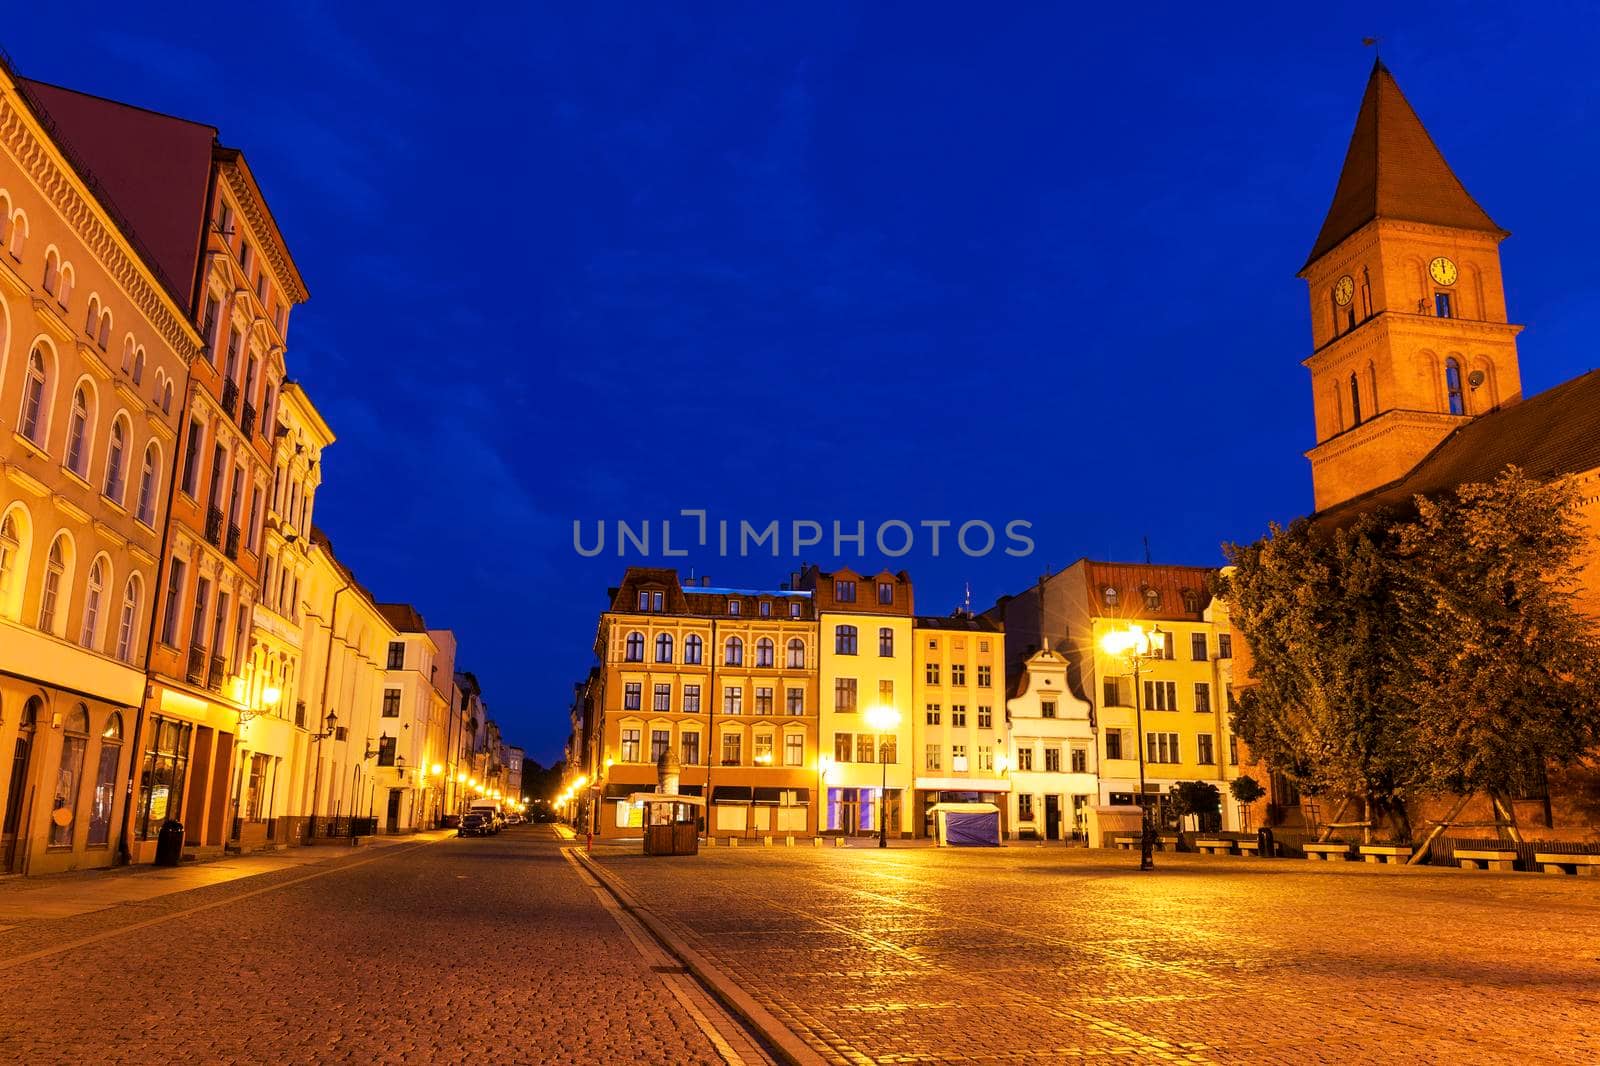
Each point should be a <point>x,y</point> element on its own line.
<point>65,295</point>
<point>634,649</point>
<point>145,509</point>
<point>92,323</point>
<point>105,782</point>
<point>52,272</point>
<point>1355,400</point>
<point>10,551</point>
<point>128,622</point>
<point>117,461</point>
<point>19,235</point>
<point>1109,596</point>
<point>51,609</point>
<point>733,652</point>
<point>692,645</point>
<point>797,654</point>
<point>764,652</point>
<point>1452,387</point>
<point>127,353</point>
<point>78,433</point>
<point>166,397</point>
<point>1152,599</point>
<point>31,420</point>
<point>844,640</point>
<point>69,775</point>
<point>1191,601</point>
<point>103,339</point>
<point>138,367</point>
<point>663,647</point>
<point>92,593</point>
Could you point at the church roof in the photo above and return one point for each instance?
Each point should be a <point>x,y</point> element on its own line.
<point>1555,433</point>
<point>1393,170</point>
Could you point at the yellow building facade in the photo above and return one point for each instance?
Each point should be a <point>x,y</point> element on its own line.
<point>958,713</point>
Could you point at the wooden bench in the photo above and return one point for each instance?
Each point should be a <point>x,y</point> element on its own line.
<point>1125,843</point>
<point>1327,852</point>
<point>1385,853</point>
<point>1168,841</point>
<point>1215,847</point>
<point>1582,865</point>
<point>1472,859</point>
<point>1248,847</point>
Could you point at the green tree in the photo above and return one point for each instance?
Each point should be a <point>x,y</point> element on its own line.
<point>1199,798</point>
<point>1502,672</point>
<point>1245,789</point>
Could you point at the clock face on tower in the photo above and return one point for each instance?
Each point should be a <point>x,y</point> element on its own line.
<point>1443,271</point>
<point>1343,290</point>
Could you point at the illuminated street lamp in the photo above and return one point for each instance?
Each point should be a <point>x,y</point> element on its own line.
<point>881,720</point>
<point>1137,646</point>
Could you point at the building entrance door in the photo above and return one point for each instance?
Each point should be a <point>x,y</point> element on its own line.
<point>1052,817</point>
<point>16,793</point>
<point>392,820</point>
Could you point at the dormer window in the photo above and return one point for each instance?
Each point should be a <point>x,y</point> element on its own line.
<point>1152,599</point>
<point>886,593</point>
<point>1109,596</point>
<point>735,607</point>
<point>844,591</point>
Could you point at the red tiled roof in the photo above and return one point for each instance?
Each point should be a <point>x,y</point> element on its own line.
<point>1394,170</point>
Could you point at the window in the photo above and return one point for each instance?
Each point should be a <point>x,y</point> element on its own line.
<point>985,677</point>
<point>933,758</point>
<point>630,745</point>
<point>985,757</point>
<point>117,462</point>
<point>795,700</point>
<point>794,609</point>
<point>794,749</point>
<point>145,508</point>
<point>69,774</point>
<point>663,647</point>
<point>191,460</point>
<point>1452,385</point>
<point>391,703</point>
<point>844,591</point>
<point>762,752</point>
<point>1441,305</point>
<point>691,699</point>
<point>933,713</point>
<point>52,272</point>
<point>1355,401</point>
<point>764,609</point>
<point>1191,601</point>
<point>1198,650</point>
<point>734,607</point>
<point>169,611</point>
<point>105,782</point>
<point>1080,759</point>
<point>661,698</point>
<point>1202,697</point>
<point>985,716</point>
<point>1117,692</point>
<point>764,653</point>
<point>885,642</point>
<point>127,623</point>
<point>1224,645</point>
<point>1052,759</point>
<point>660,743</point>
<point>733,652</point>
<point>841,747</point>
<point>958,758</point>
<point>386,750</point>
<point>864,752</point>
<point>886,593</point>
<point>1233,750</point>
<point>763,700</point>
<point>161,779</point>
<point>632,648</point>
<point>731,745</point>
<point>397,655</point>
<point>958,673</point>
<point>77,434</point>
<point>1109,596</point>
<point>1025,757</point>
<point>733,699</point>
<point>844,694</point>
<point>1152,599</point>
<point>1161,748</point>
<point>632,696</point>
<point>1160,695</point>
<point>930,673</point>
<point>1113,743</point>
<point>1207,751</point>
<point>1024,807</point>
<point>93,593</point>
<point>886,692</point>
<point>30,421</point>
<point>55,572</point>
<point>690,745</point>
<point>692,646</point>
<point>1047,708</point>
<point>138,367</point>
<point>644,600</point>
<point>844,640</point>
<point>797,654</point>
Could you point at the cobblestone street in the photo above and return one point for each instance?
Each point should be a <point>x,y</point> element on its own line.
<point>477,950</point>
<point>1051,954</point>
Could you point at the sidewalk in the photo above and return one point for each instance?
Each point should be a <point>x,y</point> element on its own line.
<point>79,892</point>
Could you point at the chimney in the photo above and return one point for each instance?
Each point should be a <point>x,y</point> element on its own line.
<point>705,581</point>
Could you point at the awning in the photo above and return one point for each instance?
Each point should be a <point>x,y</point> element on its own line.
<point>773,796</point>
<point>692,790</point>
<point>730,794</point>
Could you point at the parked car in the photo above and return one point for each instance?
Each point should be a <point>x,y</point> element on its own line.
<point>476,825</point>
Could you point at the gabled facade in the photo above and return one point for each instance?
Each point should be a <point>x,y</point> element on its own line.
<point>1054,759</point>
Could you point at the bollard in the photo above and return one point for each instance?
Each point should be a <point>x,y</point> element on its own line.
<point>816,842</point>
<point>788,841</point>
<point>733,842</point>
<point>766,841</point>
<point>838,842</point>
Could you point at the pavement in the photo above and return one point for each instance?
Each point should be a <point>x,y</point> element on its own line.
<point>426,950</point>
<point>1022,955</point>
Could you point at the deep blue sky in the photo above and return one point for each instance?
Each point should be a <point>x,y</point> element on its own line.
<point>910,263</point>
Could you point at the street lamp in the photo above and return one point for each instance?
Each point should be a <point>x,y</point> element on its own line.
<point>316,781</point>
<point>1136,645</point>
<point>881,720</point>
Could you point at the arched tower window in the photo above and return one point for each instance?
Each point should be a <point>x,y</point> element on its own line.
<point>1452,387</point>
<point>1355,400</point>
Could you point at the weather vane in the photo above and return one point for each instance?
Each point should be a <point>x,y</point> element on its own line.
<point>1373,42</point>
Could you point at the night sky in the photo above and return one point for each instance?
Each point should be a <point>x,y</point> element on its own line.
<point>911,263</point>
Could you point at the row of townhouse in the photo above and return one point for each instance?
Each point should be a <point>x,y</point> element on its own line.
<point>177,640</point>
<point>829,706</point>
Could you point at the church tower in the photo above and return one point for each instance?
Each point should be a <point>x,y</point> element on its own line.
<point>1408,311</point>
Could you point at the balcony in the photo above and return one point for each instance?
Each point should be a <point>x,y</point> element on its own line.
<point>232,548</point>
<point>230,398</point>
<point>247,418</point>
<point>214,526</point>
<point>219,667</point>
<point>196,674</point>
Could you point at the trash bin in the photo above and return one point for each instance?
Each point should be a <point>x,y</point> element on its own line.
<point>169,843</point>
<point>1264,843</point>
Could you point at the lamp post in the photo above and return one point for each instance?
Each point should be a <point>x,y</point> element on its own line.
<point>882,719</point>
<point>1136,646</point>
